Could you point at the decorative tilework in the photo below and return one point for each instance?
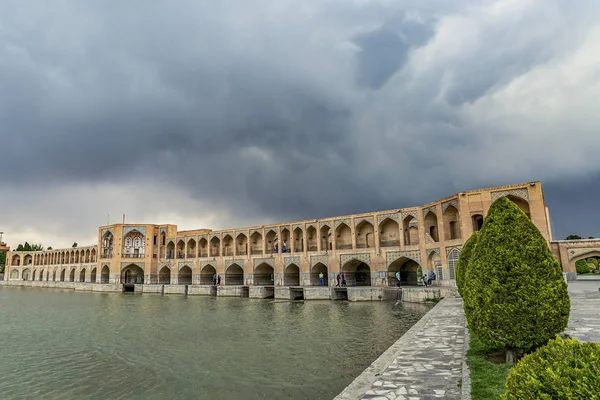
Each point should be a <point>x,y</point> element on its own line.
<point>291,260</point>
<point>229,263</point>
<point>342,221</point>
<point>268,261</point>
<point>449,249</point>
<point>314,226</point>
<point>314,260</point>
<point>381,217</point>
<point>105,265</point>
<point>269,230</point>
<point>522,193</point>
<point>430,209</point>
<point>361,219</point>
<point>141,229</point>
<point>255,231</point>
<point>453,203</point>
<point>205,237</point>
<point>164,264</point>
<point>429,251</point>
<point>324,223</point>
<point>127,264</point>
<point>413,224</point>
<point>182,264</point>
<point>163,230</point>
<point>214,235</point>
<point>362,257</point>
<point>237,234</point>
<point>573,253</point>
<point>227,233</point>
<point>411,213</point>
<point>392,256</point>
<point>212,263</point>
<point>294,227</point>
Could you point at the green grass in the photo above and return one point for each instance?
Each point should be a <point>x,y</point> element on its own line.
<point>487,378</point>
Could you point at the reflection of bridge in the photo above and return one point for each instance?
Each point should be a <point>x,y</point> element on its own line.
<point>367,248</point>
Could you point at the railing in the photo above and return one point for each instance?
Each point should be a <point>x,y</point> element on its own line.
<point>344,246</point>
<point>192,255</point>
<point>105,256</point>
<point>299,249</point>
<point>133,255</point>
<point>227,253</point>
<point>242,252</point>
<point>362,246</point>
<point>312,248</point>
<point>203,254</point>
<point>256,252</point>
<point>214,253</point>
<point>390,243</point>
<point>180,255</point>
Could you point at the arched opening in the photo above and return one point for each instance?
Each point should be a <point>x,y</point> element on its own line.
<point>285,240</point>
<point>93,255</point>
<point>62,275</point>
<point>477,220</point>
<point>26,275</point>
<point>82,275</point>
<point>434,265</point>
<point>451,224</point>
<point>315,274</point>
<point>407,269</point>
<point>343,237</point>
<point>133,245</point>
<point>357,273</point>
<point>14,274</point>
<point>411,231</point>
<point>105,275</point>
<point>107,245</point>
<point>180,249</point>
<point>206,275</point>
<point>72,256</point>
<point>242,245</point>
<point>521,203</point>
<point>76,257</point>
<point>215,250</point>
<point>234,275</point>
<point>35,275</point>
<point>87,256</point>
<point>16,260</point>
<point>291,275</point>
<point>184,277</point>
<point>27,260</point>
<point>170,250</point>
<point>164,276</point>
<point>227,246</point>
<point>54,276</point>
<point>326,240</point>
<point>93,275</point>
<point>256,243</point>
<point>365,232</point>
<point>263,275</point>
<point>389,233</point>
<point>298,240</point>
<point>311,238</point>
<point>163,245</point>
<point>41,275</point>
<point>203,247</point>
<point>452,261</point>
<point>72,275</point>
<point>271,245</point>
<point>431,227</point>
<point>191,248</point>
<point>132,274</point>
<point>62,257</point>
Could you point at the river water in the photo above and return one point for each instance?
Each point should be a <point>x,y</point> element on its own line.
<point>61,344</point>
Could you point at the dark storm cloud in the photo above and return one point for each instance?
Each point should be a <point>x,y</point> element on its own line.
<point>289,110</point>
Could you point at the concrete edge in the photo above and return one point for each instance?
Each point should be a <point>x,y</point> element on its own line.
<point>362,383</point>
<point>466,378</point>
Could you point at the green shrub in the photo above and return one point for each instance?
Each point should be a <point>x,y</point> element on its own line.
<point>516,296</point>
<point>593,261</point>
<point>463,261</point>
<point>564,369</point>
<point>419,275</point>
<point>581,267</point>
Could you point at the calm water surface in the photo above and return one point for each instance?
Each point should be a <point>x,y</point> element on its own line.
<point>71,345</point>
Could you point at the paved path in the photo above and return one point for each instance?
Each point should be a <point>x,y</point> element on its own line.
<point>584,321</point>
<point>426,362</point>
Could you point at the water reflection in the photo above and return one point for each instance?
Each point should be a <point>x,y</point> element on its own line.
<point>70,345</point>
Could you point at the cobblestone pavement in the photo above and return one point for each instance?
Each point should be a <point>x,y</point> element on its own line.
<point>584,321</point>
<point>431,367</point>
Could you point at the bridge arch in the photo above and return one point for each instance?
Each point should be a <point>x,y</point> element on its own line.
<point>234,275</point>
<point>26,274</point>
<point>408,271</point>
<point>184,277</point>
<point>264,275</point>
<point>164,276</point>
<point>206,274</point>
<point>132,274</point>
<point>315,271</point>
<point>105,274</point>
<point>357,273</point>
<point>291,275</point>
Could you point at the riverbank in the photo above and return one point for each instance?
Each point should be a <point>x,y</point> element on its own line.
<point>356,293</point>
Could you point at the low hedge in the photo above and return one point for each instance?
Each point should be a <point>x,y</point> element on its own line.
<point>581,267</point>
<point>563,369</point>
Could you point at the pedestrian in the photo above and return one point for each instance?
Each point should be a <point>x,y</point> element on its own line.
<point>214,279</point>
<point>398,278</point>
<point>321,279</point>
<point>425,280</point>
<point>431,278</point>
<point>337,278</point>
<point>343,280</point>
<point>219,280</point>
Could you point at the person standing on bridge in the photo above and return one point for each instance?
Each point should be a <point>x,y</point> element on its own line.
<point>398,278</point>
<point>214,279</point>
<point>321,278</point>
<point>219,280</point>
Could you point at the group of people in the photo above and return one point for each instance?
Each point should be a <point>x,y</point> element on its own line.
<point>426,280</point>
<point>283,248</point>
<point>216,279</point>
<point>340,279</point>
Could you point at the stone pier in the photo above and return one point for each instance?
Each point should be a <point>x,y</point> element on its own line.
<point>202,290</point>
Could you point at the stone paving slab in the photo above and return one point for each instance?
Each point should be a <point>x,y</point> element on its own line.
<point>427,363</point>
<point>584,320</point>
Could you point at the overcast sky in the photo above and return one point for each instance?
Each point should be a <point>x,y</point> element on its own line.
<point>230,113</point>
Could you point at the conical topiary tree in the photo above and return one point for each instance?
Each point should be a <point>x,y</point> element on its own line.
<point>516,297</point>
<point>463,261</point>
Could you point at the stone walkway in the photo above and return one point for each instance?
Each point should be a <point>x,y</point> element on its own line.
<point>584,321</point>
<point>427,363</point>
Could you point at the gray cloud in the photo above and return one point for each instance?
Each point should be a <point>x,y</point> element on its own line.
<point>236,113</point>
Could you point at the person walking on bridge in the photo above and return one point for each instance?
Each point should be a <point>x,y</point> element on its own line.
<point>398,278</point>
<point>321,278</point>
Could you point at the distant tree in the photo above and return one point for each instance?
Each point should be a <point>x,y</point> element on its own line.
<point>74,244</point>
<point>573,237</point>
<point>591,237</point>
<point>30,247</point>
<point>49,248</point>
<point>2,260</point>
<point>516,296</point>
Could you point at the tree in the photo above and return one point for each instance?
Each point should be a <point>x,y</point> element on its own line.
<point>74,244</point>
<point>49,248</point>
<point>463,261</point>
<point>573,237</point>
<point>30,247</point>
<point>2,261</point>
<point>516,296</point>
